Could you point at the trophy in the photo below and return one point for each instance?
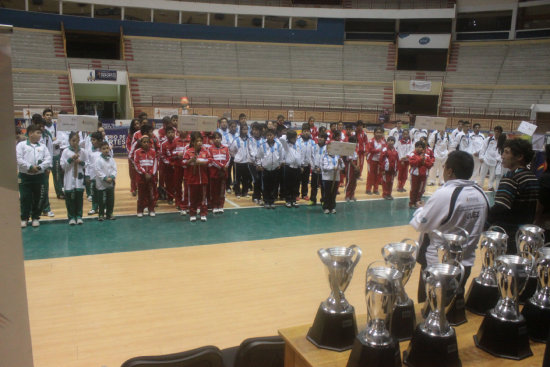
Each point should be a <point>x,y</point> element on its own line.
<point>402,256</point>
<point>503,332</point>
<point>335,327</point>
<point>375,346</point>
<point>483,292</point>
<point>529,238</point>
<point>434,342</point>
<point>451,251</point>
<point>537,309</point>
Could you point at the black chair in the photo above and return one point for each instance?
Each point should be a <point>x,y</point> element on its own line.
<point>208,356</point>
<point>256,352</point>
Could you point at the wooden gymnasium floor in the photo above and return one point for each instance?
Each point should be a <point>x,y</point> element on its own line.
<point>104,292</point>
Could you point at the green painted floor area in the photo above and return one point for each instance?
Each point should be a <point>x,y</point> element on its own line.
<point>58,239</point>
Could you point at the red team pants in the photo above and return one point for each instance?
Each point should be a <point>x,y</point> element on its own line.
<point>217,192</point>
<point>146,194</point>
<point>374,178</point>
<point>133,175</point>
<point>170,181</point>
<point>181,196</point>
<point>403,171</point>
<point>361,162</point>
<point>351,181</point>
<point>418,185</point>
<point>197,199</point>
<point>387,182</point>
<point>162,176</point>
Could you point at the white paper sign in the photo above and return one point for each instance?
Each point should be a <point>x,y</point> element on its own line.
<point>77,123</point>
<point>430,123</point>
<point>420,85</point>
<point>197,123</point>
<point>161,112</point>
<point>340,148</point>
<point>527,128</point>
<point>28,112</point>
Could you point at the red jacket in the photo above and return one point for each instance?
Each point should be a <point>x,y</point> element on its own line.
<point>419,168</point>
<point>219,159</point>
<point>389,160</point>
<point>180,146</point>
<point>314,131</point>
<point>196,174</point>
<point>166,149</point>
<point>375,148</point>
<point>362,141</point>
<point>145,161</point>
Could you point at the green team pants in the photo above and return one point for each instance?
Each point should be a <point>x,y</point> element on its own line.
<point>106,201</point>
<point>30,195</point>
<point>73,202</point>
<point>44,199</point>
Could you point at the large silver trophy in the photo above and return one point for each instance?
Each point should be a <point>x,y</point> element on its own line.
<point>529,239</point>
<point>503,332</point>
<point>483,293</point>
<point>434,341</point>
<point>375,346</point>
<point>402,256</point>
<point>537,308</point>
<point>451,251</point>
<point>335,326</point>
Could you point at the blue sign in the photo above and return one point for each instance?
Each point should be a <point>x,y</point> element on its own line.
<point>105,74</point>
<point>424,40</point>
<point>117,138</point>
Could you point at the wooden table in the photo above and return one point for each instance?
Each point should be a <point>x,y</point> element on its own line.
<point>299,352</point>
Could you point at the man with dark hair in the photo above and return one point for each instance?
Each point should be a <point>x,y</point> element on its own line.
<point>458,203</point>
<point>518,191</point>
<point>476,141</point>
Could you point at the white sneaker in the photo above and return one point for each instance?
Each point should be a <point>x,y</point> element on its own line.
<point>35,223</point>
<point>23,223</point>
<point>90,198</point>
<point>72,222</point>
<point>333,211</point>
<point>220,210</point>
<point>326,211</point>
<point>51,214</point>
<point>146,210</point>
<point>139,215</point>
<point>152,214</point>
<point>91,212</point>
<point>192,218</point>
<point>255,201</point>
<point>183,212</point>
<point>79,221</point>
<point>203,218</point>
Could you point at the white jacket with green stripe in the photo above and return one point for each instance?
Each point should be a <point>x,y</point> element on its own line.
<point>33,155</point>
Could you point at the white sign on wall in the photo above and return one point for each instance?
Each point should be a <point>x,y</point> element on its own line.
<point>406,40</point>
<point>420,85</point>
<point>161,112</point>
<point>91,76</point>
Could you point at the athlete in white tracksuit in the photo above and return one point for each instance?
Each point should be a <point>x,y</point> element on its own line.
<point>491,159</point>
<point>439,141</point>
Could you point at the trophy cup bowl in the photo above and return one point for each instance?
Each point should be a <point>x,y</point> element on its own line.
<point>451,251</point>
<point>375,346</point>
<point>529,239</point>
<point>335,326</point>
<point>402,256</point>
<point>503,332</point>
<point>434,341</point>
<point>483,293</point>
<point>537,309</point>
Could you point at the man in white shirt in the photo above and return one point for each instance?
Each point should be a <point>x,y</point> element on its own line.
<point>453,135</point>
<point>476,141</point>
<point>458,203</point>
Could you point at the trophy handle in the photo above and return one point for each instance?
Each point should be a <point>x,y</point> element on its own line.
<point>527,254</point>
<point>517,239</point>
<point>465,232</point>
<point>439,234</point>
<point>413,243</point>
<point>382,263</point>
<point>358,254</point>
<point>324,255</point>
<point>496,229</point>
<point>462,271</point>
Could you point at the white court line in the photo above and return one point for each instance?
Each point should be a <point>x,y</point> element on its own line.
<point>232,203</point>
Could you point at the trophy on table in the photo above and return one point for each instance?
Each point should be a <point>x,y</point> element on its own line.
<point>402,256</point>
<point>335,326</point>
<point>375,346</point>
<point>434,343</point>
<point>483,293</point>
<point>537,308</point>
<point>503,332</point>
<point>451,251</point>
<point>529,238</point>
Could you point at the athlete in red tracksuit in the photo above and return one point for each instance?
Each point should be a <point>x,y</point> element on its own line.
<point>420,165</point>
<point>362,145</point>
<point>134,127</point>
<point>373,160</point>
<point>404,148</point>
<point>145,161</point>
<point>196,160</point>
<point>181,196</point>
<point>168,173</point>
<point>217,179</point>
<point>352,171</point>
<point>389,161</point>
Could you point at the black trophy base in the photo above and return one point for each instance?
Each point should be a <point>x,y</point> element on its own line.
<point>457,313</point>
<point>538,321</point>
<point>426,350</point>
<point>365,355</point>
<point>333,331</point>
<point>529,290</point>
<point>504,339</point>
<point>481,298</point>
<point>403,321</point>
